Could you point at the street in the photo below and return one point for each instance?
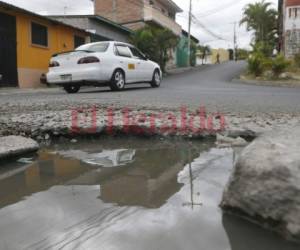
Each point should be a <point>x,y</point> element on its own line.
<point>209,86</point>
<point>189,141</point>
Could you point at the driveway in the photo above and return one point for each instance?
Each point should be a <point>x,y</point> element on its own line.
<point>209,86</point>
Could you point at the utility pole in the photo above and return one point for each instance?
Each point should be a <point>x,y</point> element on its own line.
<point>189,36</point>
<point>235,43</point>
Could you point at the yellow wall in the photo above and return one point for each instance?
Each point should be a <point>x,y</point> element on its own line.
<point>33,60</point>
<point>224,55</point>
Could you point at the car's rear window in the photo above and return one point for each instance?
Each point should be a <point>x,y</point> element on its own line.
<point>98,47</point>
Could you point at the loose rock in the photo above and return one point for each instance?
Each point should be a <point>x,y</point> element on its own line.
<point>224,141</point>
<point>11,146</point>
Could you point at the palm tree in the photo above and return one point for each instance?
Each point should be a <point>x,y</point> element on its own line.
<point>205,51</point>
<point>263,20</point>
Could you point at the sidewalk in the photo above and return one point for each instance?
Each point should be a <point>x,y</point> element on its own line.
<point>177,71</point>
<point>5,91</point>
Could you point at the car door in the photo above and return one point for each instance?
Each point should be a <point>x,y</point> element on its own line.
<point>127,62</point>
<point>141,69</point>
<point>145,68</point>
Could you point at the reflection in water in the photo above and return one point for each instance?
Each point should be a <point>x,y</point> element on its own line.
<point>244,235</point>
<point>192,202</point>
<point>148,177</point>
<point>122,194</point>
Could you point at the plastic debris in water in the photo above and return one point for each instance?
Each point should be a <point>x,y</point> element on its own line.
<point>25,160</point>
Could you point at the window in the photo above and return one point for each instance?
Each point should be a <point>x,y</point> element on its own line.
<point>136,53</point>
<point>98,47</point>
<point>78,41</point>
<point>294,13</point>
<point>39,35</point>
<point>122,50</point>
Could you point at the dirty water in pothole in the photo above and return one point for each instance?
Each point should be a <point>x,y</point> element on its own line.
<point>124,194</point>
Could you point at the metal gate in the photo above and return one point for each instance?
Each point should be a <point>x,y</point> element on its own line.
<point>8,51</point>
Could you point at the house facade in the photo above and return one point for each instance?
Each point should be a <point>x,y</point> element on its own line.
<point>101,28</point>
<point>27,42</point>
<point>134,14</point>
<point>290,27</point>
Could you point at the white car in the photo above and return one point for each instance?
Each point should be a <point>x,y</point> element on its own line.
<point>112,64</point>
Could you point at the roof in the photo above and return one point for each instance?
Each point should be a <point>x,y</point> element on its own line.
<point>185,33</point>
<point>97,18</point>
<point>174,5</point>
<point>292,3</point>
<point>8,6</point>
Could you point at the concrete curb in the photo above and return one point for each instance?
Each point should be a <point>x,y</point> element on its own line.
<point>268,83</point>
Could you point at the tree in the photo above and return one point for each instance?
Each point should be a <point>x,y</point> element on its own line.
<point>205,51</point>
<point>263,20</point>
<point>242,54</point>
<point>156,43</point>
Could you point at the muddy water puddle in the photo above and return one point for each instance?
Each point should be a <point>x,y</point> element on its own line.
<point>124,194</point>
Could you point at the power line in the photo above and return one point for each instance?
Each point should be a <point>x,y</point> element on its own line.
<point>207,30</point>
<point>219,9</point>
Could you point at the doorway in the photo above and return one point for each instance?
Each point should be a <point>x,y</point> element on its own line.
<point>8,51</point>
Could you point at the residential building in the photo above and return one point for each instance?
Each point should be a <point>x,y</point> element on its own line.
<point>134,14</point>
<point>290,35</point>
<point>182,50</point>
<point>27,42</point>
<point>101,28</point>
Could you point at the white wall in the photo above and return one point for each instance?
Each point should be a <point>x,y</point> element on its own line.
<point>292,31</point>
<point>291,22</point>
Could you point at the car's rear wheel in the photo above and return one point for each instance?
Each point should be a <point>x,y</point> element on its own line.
<point>118,81</point>
<point>156,79</point>
<point>71,89</point>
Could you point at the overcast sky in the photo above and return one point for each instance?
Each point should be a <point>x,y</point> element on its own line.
<point>217,16</point>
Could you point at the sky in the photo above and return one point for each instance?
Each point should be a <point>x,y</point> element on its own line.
<point>217,16</point>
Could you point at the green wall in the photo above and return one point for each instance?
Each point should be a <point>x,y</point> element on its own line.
<point>182,53</point>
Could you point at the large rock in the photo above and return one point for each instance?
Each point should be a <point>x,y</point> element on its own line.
<point>265,183</point>
<point>11,146</point>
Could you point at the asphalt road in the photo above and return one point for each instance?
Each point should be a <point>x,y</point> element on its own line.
<point>209,86</point>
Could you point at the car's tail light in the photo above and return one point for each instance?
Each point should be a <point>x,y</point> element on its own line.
<point>53,64</point>
<point>89,59</point>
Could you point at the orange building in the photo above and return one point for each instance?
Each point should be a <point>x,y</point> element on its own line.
<point>27,42</point>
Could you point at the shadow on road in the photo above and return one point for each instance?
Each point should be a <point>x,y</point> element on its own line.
<point>94,90</point>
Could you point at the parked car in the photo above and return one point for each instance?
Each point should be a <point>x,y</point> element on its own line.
<point>112,64</point>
